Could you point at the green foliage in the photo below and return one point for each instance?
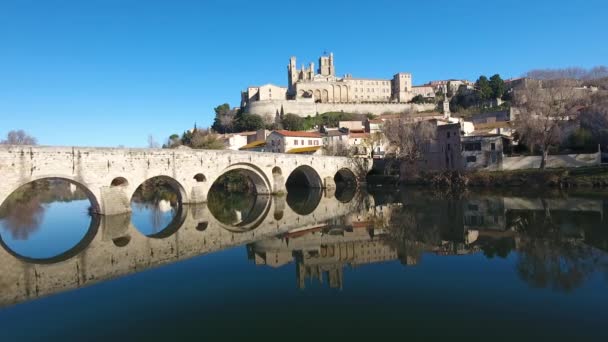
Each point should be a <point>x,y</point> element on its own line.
<point>581,139</point>
<point>293,122</point>
<point>418,99</point>
<point>248,122</point>
<point>224,119</point>
<point>498,86</point>
<point>484,88</point>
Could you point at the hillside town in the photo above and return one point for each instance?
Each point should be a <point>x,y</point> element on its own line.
<point>544,119</point>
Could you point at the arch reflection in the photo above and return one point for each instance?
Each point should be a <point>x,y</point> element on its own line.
<point>47,221</point>
<point>305,200</point>
<point>157,209</point>
<point>239,211</point>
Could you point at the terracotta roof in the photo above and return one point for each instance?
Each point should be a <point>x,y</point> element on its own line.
<point>304,149</point>
<point>359,135</point>
<point>298,134</point>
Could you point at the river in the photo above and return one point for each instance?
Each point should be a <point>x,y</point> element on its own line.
<point>411,263</point>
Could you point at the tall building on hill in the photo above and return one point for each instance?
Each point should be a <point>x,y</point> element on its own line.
<point>307,87</point>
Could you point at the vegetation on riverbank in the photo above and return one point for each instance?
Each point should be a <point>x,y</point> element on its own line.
<point>591,177</point>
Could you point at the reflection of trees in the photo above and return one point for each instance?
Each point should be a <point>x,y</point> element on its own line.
<point>548,257</point>
<point>409,235</point>
<point>226,205</point>
<point>23,211</point>
<point>158,196</point>
<point>500,247</point>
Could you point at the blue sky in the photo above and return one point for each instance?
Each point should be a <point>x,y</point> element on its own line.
<point>108,73</point>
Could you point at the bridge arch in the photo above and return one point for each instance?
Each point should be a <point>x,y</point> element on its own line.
<point>254,173</point>
<point>119,181</point>
<point>345,176</point>
<point>304,176</point>
<point>93,198</point>
<point>172,182</point>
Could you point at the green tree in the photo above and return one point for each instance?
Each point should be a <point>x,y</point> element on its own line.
<point>418,99</point>
<point>498,86</point>
<point>249,122</point>
<point>484,88</point>
<point>293,122</point>
<point>224,120</point>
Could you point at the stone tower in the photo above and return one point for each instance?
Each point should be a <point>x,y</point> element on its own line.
<point>292,75</point>
<point>326,65</point>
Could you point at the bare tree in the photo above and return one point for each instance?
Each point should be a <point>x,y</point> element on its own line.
<point>595,118</point>
<point>408,138</point>
<point>152,142</point>
<point>18,137</point>
<point>544,111</point>
<point>576,73</point>
<point>205,139</point>
<point>339,149</point>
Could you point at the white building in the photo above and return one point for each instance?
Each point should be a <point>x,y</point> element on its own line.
<point>283,141</point>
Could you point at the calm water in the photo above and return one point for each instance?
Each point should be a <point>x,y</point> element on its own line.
<point>411,264</point>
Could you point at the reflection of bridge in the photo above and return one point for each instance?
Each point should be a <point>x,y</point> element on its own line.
<point>116,248</point>
<point>110,176</point>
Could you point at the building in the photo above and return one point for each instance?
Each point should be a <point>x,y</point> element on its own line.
<point>324,86</point>
<point>442,153</point>
<point>425,91</point>
<point>311,91</point>
<point>482,152</point>
<point>283,141</point>
<point>235,141</point>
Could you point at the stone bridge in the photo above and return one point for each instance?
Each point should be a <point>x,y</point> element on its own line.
<point>110,176</point>
<point>114,247</point>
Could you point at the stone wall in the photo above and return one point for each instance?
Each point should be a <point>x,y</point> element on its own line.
<point>553,161</point>
<point>305,107</point>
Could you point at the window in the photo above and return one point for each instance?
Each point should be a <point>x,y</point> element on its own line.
<point>295,142</point>
<point>448,134</point>
<point>302,142</point>
<point>475,146</point>
<point>471,159</point>
<point>309,142</point>
<point>493,146</point>
<point>449,149</point>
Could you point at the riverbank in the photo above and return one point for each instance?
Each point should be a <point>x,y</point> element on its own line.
<point>589,177</point>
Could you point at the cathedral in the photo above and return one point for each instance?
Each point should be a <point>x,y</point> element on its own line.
<point>323,86</point>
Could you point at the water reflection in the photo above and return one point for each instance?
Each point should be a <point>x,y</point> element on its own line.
<point>156,208</point>
<point>559,242</point>
<point>556,242</point>
<point>46,220</point>
<point>304,201</point>
<point>239,211</point>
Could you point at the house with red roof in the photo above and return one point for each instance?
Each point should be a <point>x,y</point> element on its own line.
<point>299,142</point>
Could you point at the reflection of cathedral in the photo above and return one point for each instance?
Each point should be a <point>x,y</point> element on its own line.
<point>323,252</point>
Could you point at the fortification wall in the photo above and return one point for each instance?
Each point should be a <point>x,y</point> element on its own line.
<point>306,107</point>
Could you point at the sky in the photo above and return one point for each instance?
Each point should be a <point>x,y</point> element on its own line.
<point>113,72</point>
